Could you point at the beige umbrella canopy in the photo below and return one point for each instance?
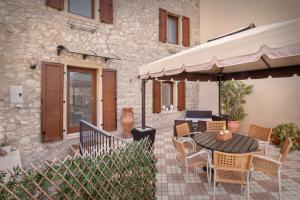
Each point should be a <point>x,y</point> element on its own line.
<point>266,47</point>
<point>271,50</point>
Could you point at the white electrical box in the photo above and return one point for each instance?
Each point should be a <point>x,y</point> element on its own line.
<point>16,94</point>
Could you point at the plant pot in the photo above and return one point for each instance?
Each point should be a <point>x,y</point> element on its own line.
<point>139,134</point>
<point>275,140</point>
<point>127,121</point>
<point>298,141</point>
<point>233,126</point>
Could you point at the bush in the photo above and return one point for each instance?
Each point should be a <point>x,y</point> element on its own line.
<point>233,98</point>
<point>282,131</point>
<point>127,172</point>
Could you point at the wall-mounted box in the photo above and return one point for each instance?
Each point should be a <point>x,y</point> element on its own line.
<point>16,94</point>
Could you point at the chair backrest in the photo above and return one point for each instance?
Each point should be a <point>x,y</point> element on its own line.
<point>178,122</point>
<point>231,161</point>
<point>259,132</point>
<point>215,126</point>
<point>201,126</point>
<point>284,151</point>
<point>183,130</point>
<point>179,147</point>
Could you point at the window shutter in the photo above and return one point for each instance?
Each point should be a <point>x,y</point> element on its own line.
<point>181,95</point>
<point>156,96</point>
<point>162,25</point>
<point>106,11</point>
<point>56,4</point>
<point>185,31</point>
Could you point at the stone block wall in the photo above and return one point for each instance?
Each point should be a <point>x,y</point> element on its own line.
<point>30,33</point>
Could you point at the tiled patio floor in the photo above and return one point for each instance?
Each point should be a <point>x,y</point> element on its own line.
<point>172,183</point>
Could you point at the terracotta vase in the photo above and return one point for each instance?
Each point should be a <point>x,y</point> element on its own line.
<point>233,126</point>
<point>275,140</point>
<point>127,121</point>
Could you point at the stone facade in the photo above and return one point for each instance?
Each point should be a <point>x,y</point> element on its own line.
<point>30,33</point>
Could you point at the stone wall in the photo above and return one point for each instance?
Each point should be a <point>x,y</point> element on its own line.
<point>30,32</point>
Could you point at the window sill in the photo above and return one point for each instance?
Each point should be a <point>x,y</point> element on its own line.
<point>168,112</point>
<point>81,18</point>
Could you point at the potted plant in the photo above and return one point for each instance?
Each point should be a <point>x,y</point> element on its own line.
<point>233,98</point>
<point>282,131</point>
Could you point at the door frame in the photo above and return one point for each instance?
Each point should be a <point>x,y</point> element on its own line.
<point>71,68</point>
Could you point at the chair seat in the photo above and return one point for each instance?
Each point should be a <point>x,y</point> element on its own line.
<point>197,160</point>
<point>259,151</point>
<point>266,166</point>
<point>227,176</point>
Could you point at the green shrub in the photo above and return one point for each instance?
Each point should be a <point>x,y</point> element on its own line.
<point>127,172</point>
<point>282,131</point>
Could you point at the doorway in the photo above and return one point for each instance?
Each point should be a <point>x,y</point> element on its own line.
<point>81,97</point>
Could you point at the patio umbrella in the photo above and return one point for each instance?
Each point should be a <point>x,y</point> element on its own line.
<point>271,50</point>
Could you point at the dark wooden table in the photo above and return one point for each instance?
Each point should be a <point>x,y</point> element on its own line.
<point>238,144</point>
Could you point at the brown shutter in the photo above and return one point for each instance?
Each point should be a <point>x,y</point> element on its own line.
<point>109,93</point>
<point>56,4</point>
<point>185,31</point>
<point>181,96</point>
<point>162,25</point>
<point>156,96</point>
<point>106,11</point>
<point>52,101</point>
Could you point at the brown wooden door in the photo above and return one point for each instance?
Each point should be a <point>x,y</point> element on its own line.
<point>52,101</point>
<point>109,82</point>
<point>82,97</point>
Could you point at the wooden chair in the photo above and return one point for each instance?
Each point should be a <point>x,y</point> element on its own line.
<point>179,122</point>
<point>215,126</point>
<point>263,134</point>
<point>188,160</point>
<point>184,135</point>
<point>273,167</point>
<point>232,168</point>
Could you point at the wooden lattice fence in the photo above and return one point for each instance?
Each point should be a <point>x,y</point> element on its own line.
<point>125,172</point>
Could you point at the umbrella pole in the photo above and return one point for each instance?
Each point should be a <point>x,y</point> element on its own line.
<point>143,104</point>
<point>219,90</point>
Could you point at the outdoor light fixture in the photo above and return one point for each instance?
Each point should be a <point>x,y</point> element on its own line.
<point>33,65</point>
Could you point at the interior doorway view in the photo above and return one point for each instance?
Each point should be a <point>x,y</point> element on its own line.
<point>81,97</point>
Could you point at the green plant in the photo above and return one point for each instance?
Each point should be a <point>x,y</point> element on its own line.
<point>282,131</point>
<point>233,98</point>
<point>126,172</point>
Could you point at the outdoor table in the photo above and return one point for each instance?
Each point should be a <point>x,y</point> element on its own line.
<point>238,144</point>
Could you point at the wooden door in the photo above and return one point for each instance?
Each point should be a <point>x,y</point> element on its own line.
<point>82,95</point>
<point>109,90</point>
<point>52,101</point>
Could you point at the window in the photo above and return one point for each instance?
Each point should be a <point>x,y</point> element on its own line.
<point>169,28</point>
<point>172,30</point>
<point>84,8</point>
<point>167,96</point>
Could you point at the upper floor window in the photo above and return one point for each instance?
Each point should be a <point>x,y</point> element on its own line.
<point>93,9</point>
<point>172,30</point>
<point>169,26</point>
<point>84,8</point>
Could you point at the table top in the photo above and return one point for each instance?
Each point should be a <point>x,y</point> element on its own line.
<point>238,144</point>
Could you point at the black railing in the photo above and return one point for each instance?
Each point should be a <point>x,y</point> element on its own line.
<point>94,140</point>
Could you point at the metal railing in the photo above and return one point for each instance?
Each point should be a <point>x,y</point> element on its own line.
<point>94,140</point>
